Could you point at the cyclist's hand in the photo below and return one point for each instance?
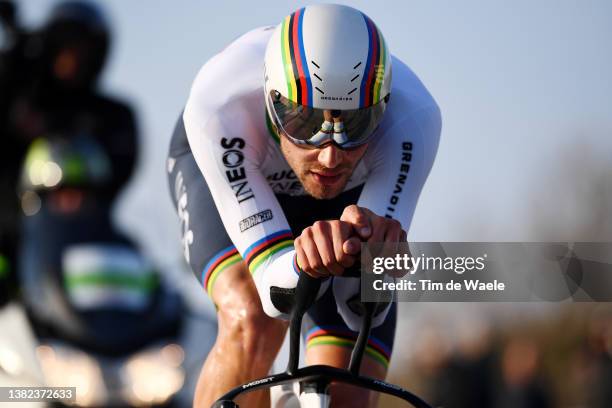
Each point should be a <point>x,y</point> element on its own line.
<point>372,227</point>
<point>326,248</point>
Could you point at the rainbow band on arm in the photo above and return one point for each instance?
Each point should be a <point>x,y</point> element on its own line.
<point>375,66</point>
<point>225,258</point>
<point>296,266</point>
<point>266,247</point>
<point>338,336</point>
<point>299,85</point>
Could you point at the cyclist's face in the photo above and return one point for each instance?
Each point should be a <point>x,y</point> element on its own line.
<point>325,171</point>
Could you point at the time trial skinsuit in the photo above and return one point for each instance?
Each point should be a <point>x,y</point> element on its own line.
<point>238,199</point>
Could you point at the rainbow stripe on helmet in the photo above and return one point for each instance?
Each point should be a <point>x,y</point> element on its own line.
<point>374,72</point>
<point>299,85</point>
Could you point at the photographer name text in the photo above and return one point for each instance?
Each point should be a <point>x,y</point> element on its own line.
<point>432,286</point>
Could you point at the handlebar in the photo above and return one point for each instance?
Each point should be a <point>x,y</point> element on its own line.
<point>303,298</point>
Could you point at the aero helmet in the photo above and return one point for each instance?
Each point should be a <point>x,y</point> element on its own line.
<point>327,76</point>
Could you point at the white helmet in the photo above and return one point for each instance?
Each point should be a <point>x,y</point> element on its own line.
<point>327,76</point>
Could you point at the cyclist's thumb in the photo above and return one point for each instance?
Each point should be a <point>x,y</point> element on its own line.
<point>359,219</point>
<point>352,246</point>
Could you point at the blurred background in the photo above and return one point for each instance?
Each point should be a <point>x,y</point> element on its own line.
<point>525,155</point>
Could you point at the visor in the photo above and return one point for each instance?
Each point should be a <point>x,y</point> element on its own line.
<point>315,127</point>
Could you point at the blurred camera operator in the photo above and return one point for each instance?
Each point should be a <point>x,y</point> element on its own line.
<point>50,104</point>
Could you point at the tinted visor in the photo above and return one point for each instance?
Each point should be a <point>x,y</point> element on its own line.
<point>315,127</point>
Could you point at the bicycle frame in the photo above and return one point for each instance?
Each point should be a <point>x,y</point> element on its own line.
<point>317,378</point>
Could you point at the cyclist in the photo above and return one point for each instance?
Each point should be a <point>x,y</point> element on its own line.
<point>293,148</point>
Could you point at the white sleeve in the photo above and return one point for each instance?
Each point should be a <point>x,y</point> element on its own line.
<point>229,158</point>
<point>399,163</point>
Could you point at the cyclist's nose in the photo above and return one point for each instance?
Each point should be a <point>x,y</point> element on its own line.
<point>330,156</point>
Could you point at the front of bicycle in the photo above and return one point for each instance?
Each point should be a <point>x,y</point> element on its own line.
<point>315,380</point>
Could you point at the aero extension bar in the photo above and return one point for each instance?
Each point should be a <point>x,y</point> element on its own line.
<point>320,376</point>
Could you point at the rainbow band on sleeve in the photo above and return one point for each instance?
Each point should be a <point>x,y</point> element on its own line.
<point>299,85</point>
<point>216,265</point>
<point>266,247</point>
<point>296,267</point>
<point>337,336</point>
<point>374,72</point>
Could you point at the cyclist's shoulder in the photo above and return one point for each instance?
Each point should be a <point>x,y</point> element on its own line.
<point>256,39</point>
<point>239,62</point>
<point>229,80</point>
<point>408,92</point>
<point>412,119</point>
<point>411,106</point>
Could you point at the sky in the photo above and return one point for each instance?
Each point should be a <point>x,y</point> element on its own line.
<point>524,88</point>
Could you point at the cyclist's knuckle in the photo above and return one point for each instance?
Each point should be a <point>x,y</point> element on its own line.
<point>351,209</point>
<point>322,226</point>
<point>328,261</point>
<point>344,227</point>
<point>307,232</point>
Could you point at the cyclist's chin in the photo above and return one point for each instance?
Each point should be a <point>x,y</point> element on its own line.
<point>323,190</point>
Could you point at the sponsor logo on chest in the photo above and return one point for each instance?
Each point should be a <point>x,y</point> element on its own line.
<point>285,182</point>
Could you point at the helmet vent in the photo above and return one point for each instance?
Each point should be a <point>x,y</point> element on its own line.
<point>355,77</point>
<point>354,89</point>
<point>356,66</point>
<point>315,64</point>
<point>317,88</point>
<point>318,77</point>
